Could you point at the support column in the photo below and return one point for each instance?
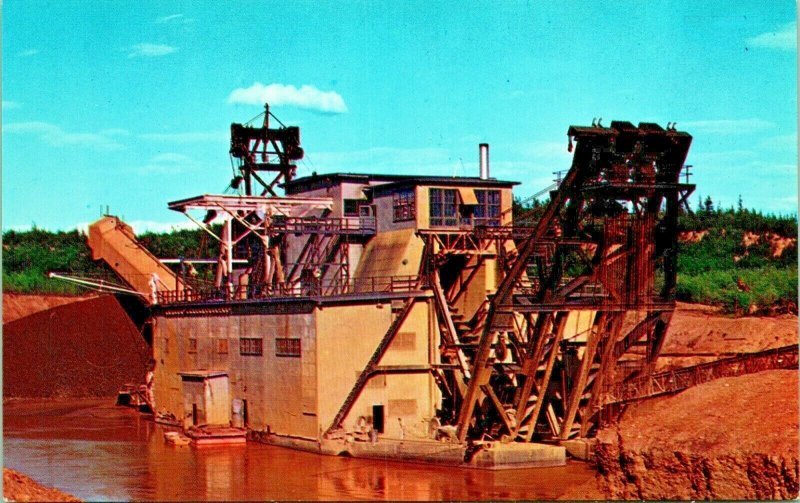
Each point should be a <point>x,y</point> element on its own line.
<point>576,393</point>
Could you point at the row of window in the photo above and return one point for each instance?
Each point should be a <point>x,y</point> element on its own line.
<point>403,205</point>
<point>447,209</point>
<point>254,346</point>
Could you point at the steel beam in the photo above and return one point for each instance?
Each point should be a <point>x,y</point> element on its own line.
<point>577,391</point>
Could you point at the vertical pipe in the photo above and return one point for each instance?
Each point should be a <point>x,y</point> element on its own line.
<point>228,237</point>
<point>484,160</point>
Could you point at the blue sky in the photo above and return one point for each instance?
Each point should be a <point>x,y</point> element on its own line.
<point>128,104</point>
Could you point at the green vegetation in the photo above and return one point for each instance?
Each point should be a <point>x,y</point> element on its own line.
<point>720,270</point>
<point>717,269</point>
<point>184,243</point>
<point>28,257</point>
<point>737,289</point>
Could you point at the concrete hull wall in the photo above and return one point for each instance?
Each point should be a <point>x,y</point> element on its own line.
<point>300,395</point>
<point>272,385</point>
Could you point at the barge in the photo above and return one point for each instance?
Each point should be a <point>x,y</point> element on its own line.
<point>418,318</point>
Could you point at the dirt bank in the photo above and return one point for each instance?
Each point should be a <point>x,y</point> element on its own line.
<point>697,331</point>
<point>80,349</point>
<point>19,487</point>
<point>733,438</point>
<point>18,305</point>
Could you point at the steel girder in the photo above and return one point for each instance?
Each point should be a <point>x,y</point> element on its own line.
<point>609,226</point>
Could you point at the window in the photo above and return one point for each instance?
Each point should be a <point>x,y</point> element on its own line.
<point>443,208</point>
<point>351,207</point>
<point>403,407</point>
<point>403,203</point>
<point>253,346</point>
<point>192,345</point>
<point>222,346</point>
<point>487,212</point>
<point>405,341</point>
<point>287,347</point>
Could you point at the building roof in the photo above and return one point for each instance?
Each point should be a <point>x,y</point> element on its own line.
<point>443,181</point>
<point>203,374</point>
<point>387,181</point>
<point>294,206</point>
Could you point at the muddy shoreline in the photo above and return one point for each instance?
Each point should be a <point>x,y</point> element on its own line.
<point>19,487</point>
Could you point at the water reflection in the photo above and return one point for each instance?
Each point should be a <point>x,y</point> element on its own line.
<point>98,452</point>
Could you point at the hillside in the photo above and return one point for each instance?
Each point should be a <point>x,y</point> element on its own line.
<point>741,260</point>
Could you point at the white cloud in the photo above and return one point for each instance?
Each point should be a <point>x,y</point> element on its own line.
<point>170,162</point>
<point>775,168</point>
<point>114,132</point>
<point>726,126</point>
<point>786,141</point>
<point>786,204</point>
<point>150,50</point>
<point>170,157</point>
<point>188,137</point>
<point>726,157</point>
<point>57,137</point>
<point>546,151</point>
<point>783,39</point>
<point>28,53</point>
<point>10,105</point>
<point>174,19</point>
<point>306,97</point>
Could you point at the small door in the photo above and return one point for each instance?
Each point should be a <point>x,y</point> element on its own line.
<point>206,398</point>
<point>377,418</point>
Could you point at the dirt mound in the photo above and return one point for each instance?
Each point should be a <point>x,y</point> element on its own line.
<point>733,438</point>
<point>777,243</point>
<point>19,487</point>
<point>18,305</point>
<point>82,349</point>
<point>701,330</point>
<point>691,237</point>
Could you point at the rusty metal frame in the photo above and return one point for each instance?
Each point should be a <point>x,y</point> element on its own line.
<point>640,165</point>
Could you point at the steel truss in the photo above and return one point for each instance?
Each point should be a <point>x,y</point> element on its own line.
<point>511,372</point>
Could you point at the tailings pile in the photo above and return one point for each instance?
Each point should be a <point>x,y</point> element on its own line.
<point>87,348</point>
<point>19,305</point>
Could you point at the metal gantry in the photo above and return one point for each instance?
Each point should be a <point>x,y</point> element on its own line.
<point>610,225</point>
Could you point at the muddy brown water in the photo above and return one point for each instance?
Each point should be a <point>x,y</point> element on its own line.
<point>96,451</point>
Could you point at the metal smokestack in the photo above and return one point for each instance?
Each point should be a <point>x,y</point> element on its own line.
<point>484,155</point>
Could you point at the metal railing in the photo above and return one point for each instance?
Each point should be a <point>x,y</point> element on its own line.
<point>313,225</point>
<point>679,379</point>
<point>298,289</point>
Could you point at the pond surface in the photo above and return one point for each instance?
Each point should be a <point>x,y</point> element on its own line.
<point>99,452</point>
